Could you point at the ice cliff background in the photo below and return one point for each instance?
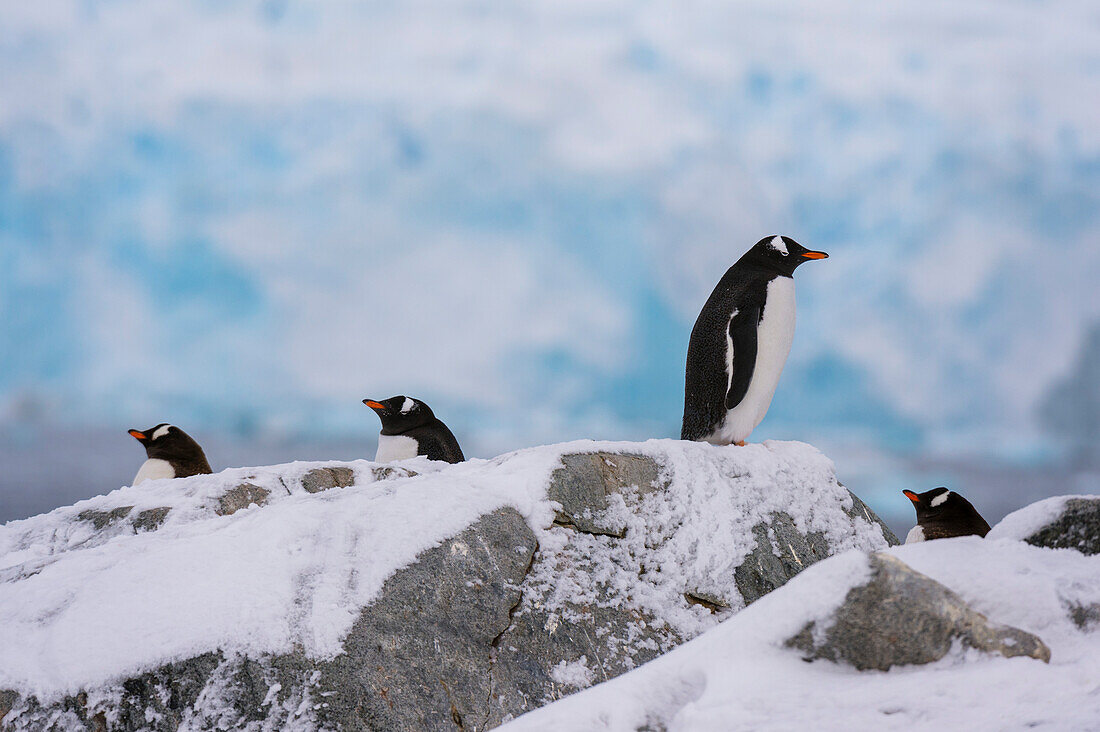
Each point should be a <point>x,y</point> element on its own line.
<point>244,217</point>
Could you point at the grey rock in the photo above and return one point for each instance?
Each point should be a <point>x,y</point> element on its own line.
<point>468,636</point>
<point>1078,527</point>
<point>321,479</point>
<point>861,510</point>
<point>385,472</point>
<point>774,561</point>
<point>151,519</point>
<point>102,519</point>
<point>782,552</point>
<point>901,617</point>
<point>420,657</point>
<point>1085,617</point>
<point>584,482</point>
<point>242,496</point>
<point>8,700</point>
<point>538,640</point>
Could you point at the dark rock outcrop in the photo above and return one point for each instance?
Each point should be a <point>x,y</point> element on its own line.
<point>901,617</point>
<point>1076,527</point>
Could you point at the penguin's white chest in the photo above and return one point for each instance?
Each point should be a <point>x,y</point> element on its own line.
<point>395,447</point>
<point>774,336</point>
<point>154,469</point>
<point>915,534</point>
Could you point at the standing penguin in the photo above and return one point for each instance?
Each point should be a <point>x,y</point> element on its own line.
<point>171,454</point>
<point>740,343</point>
<point>942,514</point>
<point>409,428</point>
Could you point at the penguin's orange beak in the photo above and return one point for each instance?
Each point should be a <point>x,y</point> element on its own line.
<point>912,496</point>
<point>374,405</point>
<point>138,435</point>
<point>815,255</point>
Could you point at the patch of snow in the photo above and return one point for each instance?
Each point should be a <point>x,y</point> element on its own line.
<point>1029,519</point>
<point>575,674</point>
<point>81,606</point>
<point>693,536</point>
<point>739,676</point>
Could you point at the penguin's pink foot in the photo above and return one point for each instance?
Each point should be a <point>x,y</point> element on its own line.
<point>740,444</point>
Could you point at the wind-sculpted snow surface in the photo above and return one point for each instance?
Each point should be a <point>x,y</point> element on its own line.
<point>281,577</point>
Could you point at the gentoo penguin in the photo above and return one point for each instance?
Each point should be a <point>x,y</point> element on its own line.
<point>409,428</point>
<point>740,343</point>
<point>171,452</point>
<point>942,514</point>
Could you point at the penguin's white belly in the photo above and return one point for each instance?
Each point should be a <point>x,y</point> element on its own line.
<point>774,336</point>
<point>915,534</point>
<point>154,469</point>
<point>395,447</point>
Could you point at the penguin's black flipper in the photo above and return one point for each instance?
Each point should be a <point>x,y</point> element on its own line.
<point>742,330</point>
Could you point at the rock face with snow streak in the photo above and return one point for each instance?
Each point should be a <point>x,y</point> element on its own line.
<point>1076,527</point>
<point>1062,522</point>
<point>900,617</point>
<point>621,553</point>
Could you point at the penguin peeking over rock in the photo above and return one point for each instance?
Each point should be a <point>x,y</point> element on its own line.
<point>942,514</point>
<point>740,343</point>
<point>170,452</point>
<point>410,428</point>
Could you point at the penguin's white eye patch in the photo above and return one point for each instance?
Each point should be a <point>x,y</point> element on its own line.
<point>408,406</point>
<point>938,500</point>
<point>161,432</point>
<point>778,245</point>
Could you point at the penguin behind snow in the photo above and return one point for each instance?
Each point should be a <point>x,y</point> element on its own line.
<point>942,514</point>
<point>410,428</point>
<point>740,343</point>
<point>171,453</point>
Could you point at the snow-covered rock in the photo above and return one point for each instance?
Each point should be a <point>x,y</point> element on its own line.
<point>742,675</point>
<point>900,617</point>
<point>1062,522</point>
<point>413,596</point>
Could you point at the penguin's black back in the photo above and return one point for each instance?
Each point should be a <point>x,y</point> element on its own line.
<point>952,516</point>
<point>744,288</point>
<point>437,442</point>
<point>179,450</point>
<point>963,521</point>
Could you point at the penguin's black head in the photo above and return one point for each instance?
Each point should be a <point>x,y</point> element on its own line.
<point>167,442</point>
<point>400,413</point>
<point>781,254</point>
<point>938,503</point>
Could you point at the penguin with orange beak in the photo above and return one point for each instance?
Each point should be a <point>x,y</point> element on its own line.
<point>740,343</point>
<point>170,452</point>
<point>410,428</point>
<point>943,514</point>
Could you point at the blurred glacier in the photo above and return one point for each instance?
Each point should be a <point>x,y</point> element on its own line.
<point>244,217</point>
